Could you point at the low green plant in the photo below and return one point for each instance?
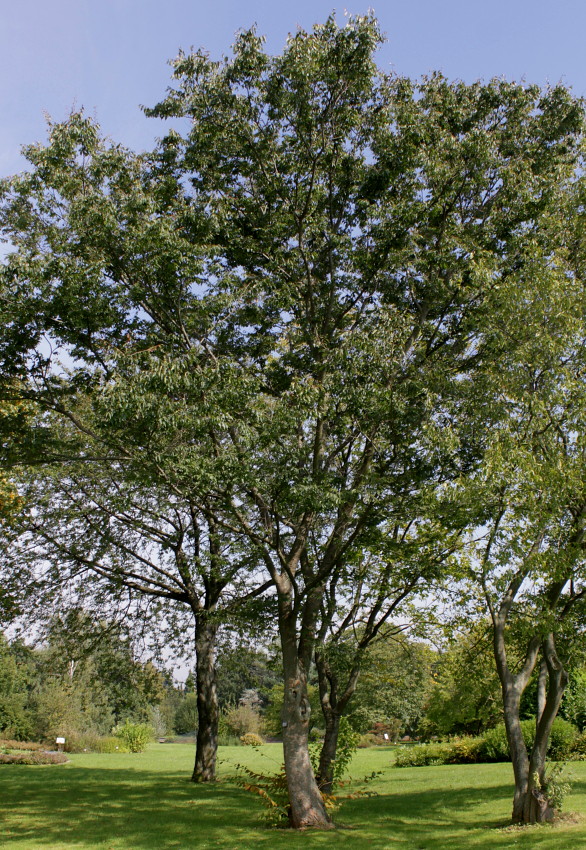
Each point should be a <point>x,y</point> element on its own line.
<point>491,747</point>
<point>316,734</point>
<point>135,736</point>
<point>9,744</point>
<point>421,755</point>
<point>251,740</point>
<point>32,758</point>
<point>368,740</point>
<point>578,752</point>
<point>225,740</point>
<point>558,785</point>
<point>91,743</point>
<point>562,740</point>
<point>463,750</point>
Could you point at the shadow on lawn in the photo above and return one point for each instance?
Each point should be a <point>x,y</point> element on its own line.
<point>448,818</point>
<point>138,809</point>
<point>92,806</point>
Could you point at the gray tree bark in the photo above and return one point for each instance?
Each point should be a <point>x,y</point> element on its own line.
<point>207,701</point>
<point>305,800</point>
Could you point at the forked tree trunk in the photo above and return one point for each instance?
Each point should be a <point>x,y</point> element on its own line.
<point>306,806</point>
<point>207,701</point>
<point>530,803</point>
<point>557,679</point>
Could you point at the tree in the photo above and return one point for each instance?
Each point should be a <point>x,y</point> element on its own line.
<point>15,681</point>
<point>243,665</point>
<point>99,536</point>
<point>362,227</point>
<point>465,696</point>
<point>275,316</point>
<point>360,607</point>
<point>393,686</point>
<point>529,498</point>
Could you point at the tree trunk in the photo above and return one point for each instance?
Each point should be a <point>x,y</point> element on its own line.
<point>531,804</point>
<point>207,701</point>
<point>332,711</point>
<point>306,806</point>
<point>541,692</point>
<point>557,679</point>
<point>517,749</point>
<point>327,757</point>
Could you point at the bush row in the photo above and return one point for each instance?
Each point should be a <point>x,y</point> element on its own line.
<point>565,743</point>
<point>9,744</point>
<point>32,758</point>
<point>127,737</point>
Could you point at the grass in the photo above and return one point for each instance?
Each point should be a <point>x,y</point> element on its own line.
<point>146,802</point>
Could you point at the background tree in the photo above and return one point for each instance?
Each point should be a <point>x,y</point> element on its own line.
<point>464,696</point>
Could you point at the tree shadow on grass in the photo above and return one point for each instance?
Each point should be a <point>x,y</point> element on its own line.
<point>93,806</point>
<point>449,818</point>
<point>85,807</point>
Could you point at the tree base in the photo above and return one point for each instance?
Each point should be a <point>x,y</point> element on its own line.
<point>533,808</point>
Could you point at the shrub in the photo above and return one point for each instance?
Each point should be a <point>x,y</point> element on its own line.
<point>186,719</point>
<point>464,750</point>
<point>421,755</point>
<point>368,740</point>
<point>251,740</point>
<point>558,785</point>
<point>392,728</point>
<point>271,788</point>
<point>32,758</point>
<point>316,734</point>
<point>491,747</point>
<point>229,741</point>
<point>578,752</point>
<point>95,744</point>
<point>8,744</point>
<point>561,742</point>
<point>495,746</point>
<point>240,721</point>
<point>134,735</point>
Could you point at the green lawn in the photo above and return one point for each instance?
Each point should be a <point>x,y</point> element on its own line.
<point>145,802</point>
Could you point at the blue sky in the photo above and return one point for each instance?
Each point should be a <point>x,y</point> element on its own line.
<point>110,56</point>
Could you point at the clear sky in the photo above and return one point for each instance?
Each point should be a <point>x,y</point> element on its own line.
<point>110,56</point>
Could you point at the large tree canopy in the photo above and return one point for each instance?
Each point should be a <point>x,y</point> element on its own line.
<point>279,314</point>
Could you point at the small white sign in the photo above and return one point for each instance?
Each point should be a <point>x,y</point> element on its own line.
<point>59,740</point>
<point>385,736</point>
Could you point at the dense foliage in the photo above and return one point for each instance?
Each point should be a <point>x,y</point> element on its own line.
<point>321,349</point>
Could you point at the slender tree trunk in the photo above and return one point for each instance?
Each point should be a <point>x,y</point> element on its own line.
<point>328,697</point>
<point>305,800</point>
<point>541,692</point>
<point>327,757</point>
<point>512,688</point>
<point>517,748</point>
<point>207,701</point>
